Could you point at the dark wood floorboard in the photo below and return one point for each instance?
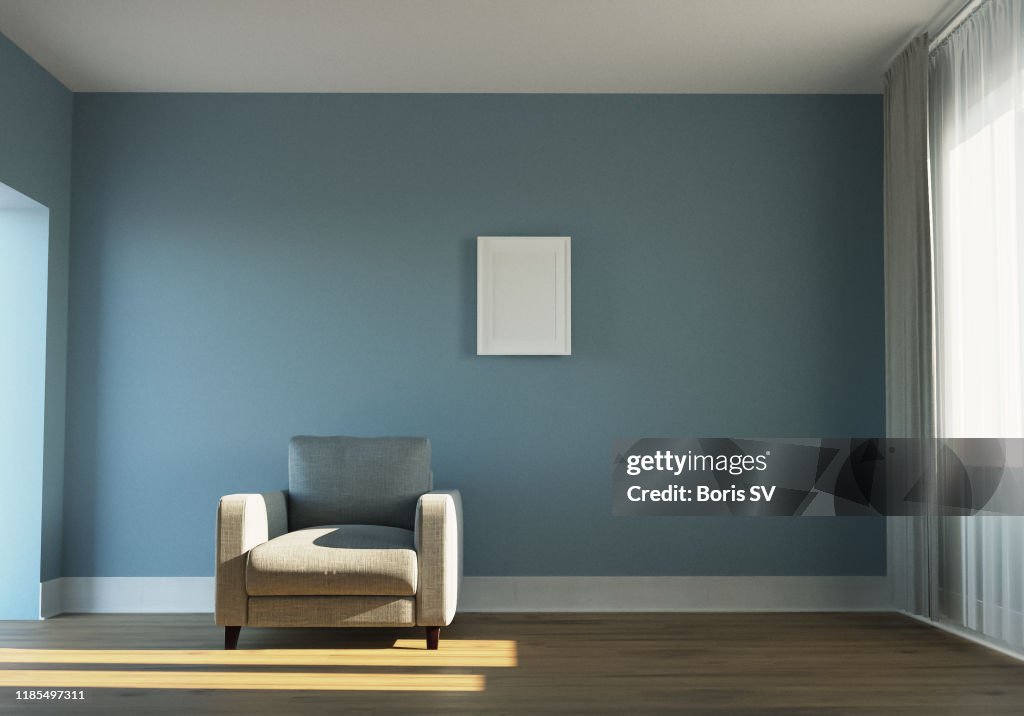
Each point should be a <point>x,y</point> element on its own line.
<point>576,663</point>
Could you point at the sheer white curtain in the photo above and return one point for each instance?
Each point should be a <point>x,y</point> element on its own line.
<point>908,304</point>
<point>977,160</point>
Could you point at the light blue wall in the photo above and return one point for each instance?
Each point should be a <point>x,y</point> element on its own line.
<point>35,159</point>
<point>249,267</point>
<point>23,269</point>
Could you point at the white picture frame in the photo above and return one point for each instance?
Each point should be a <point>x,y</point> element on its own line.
<point>524,295</point>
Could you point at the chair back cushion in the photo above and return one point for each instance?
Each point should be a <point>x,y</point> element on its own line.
<point>365,481</point>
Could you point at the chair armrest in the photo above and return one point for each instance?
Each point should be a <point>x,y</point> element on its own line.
<point>439,548</point>
<point>243,521</point>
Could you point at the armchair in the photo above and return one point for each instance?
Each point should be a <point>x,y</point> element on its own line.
<point>358,539</point>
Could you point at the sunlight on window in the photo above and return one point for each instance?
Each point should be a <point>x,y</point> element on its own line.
<point>980,287</point>
<point>976,132</point>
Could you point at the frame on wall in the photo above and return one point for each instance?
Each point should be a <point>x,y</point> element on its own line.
<point>524,295</point>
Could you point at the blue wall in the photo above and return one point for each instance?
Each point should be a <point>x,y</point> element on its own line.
<point>35,159</point>
<point>249,267</point>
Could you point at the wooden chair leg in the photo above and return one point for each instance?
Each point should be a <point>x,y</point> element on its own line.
<point>433,635</point>
<point>231,637</point>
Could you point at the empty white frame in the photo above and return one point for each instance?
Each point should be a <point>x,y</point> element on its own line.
<point>523,295</point>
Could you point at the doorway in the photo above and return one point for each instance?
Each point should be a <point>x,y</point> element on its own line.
<point>24,252</point>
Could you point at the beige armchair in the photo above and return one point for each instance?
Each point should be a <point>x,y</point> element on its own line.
<point>358,539</point>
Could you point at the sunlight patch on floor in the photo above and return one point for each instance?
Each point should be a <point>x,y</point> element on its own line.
<point>406,652</point>
<point>239,680</point>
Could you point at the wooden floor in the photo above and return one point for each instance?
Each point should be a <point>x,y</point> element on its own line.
<point>513,663</point>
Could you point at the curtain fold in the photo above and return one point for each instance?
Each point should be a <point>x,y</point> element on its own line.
<point>977,163</point>
<point>908,302</point>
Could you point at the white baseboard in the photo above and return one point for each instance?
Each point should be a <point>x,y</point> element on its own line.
<point>51,598</point>
<point>968,635</point>
<point>514,594</point>
<point>133,595</point>
<point>674,594</point>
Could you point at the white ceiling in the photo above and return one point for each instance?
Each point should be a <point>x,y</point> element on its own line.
<point>795,46</point>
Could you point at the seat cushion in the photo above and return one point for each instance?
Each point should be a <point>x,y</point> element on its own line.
<point>356,481</point>
<point>335,560</point>
<point>322,611</point>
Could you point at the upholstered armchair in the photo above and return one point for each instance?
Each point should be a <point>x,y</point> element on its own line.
<point>359,539</point>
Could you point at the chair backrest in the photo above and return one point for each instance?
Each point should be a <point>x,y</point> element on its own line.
<point>344,480</point>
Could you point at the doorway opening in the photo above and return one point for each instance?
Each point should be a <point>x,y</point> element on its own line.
<point>24,257</point>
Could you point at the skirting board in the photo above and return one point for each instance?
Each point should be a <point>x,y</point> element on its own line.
<point>968,635</point>
<point>515,594</point>
<point>674,594</point>
<point>51,598</point>
<point>127,595</point>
